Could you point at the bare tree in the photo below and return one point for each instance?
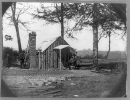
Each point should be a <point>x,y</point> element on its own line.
<point>14,16</point>
<point>15,21</point>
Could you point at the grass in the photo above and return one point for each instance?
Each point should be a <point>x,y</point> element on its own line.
<point>89,86</point>
<point>92,85</point>
<point>86,84</point>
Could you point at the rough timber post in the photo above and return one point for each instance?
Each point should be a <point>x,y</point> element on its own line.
<point>32,50</point>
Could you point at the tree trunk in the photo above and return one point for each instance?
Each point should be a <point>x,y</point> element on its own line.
<point>109,35</point>
<point>15,21</point>
<point>18,37</point>
<point>62,20</point>
<point>95,37</point>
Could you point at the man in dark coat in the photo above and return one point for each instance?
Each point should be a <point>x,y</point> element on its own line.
<point>22,57</point>
<point>72,62</point>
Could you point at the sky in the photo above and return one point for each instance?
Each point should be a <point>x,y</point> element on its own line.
<point>44,32</point>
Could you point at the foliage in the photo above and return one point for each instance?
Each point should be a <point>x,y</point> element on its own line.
<point>52,13</point>
<point>120,10</point>
<point>10,56</point>
<point>100,56</point>
<point>61,13</point>
<point>109,17</point>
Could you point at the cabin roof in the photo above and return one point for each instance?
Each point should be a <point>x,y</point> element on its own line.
<point>46,43</point>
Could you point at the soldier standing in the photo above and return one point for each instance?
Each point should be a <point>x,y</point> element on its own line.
<point>22,59</point>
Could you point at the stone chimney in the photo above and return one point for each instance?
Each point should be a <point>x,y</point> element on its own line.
<point>32,50</point>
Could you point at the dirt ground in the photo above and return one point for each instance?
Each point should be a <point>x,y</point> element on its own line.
<point>61,84</point>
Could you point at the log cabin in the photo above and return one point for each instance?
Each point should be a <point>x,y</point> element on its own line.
<point>52,54</point>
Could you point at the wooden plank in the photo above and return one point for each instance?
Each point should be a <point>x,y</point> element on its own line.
<point>53,59</point>
<point>58,60</point>
<point>37,60</point>
<point>51,66</point>
<point>54,45</point>
<point>51,56</point>
<point>64,57</point>
<point>55,54</point>
<point>43,60</point>
<point>58,43</point>
<point>46,60</point>
<point>40,62</point>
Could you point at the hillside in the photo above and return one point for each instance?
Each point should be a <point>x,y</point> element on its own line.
<point>112,54</point>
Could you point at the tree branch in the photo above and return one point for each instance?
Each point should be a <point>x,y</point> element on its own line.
<point>57,13</point>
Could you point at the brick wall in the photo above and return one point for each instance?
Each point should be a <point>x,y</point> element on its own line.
<point>32,50</point>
